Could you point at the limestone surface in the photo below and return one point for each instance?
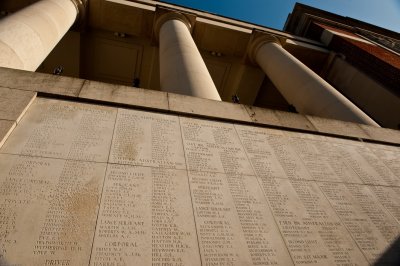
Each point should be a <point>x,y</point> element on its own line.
<point>85,184</point>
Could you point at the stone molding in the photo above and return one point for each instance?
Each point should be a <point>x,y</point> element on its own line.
<point>171,15</point>
<point>258,40</point>
<point>80,6</point>
<point>103,93</point>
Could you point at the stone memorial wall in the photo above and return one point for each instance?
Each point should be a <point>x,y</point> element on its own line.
<point>85,184</point>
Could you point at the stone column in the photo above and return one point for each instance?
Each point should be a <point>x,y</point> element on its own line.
<point>182,69</point>
<point>300,86</point>
<point>29,35</point>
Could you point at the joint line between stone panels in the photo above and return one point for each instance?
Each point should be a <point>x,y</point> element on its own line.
<point>162,167</point>
<point>54,158</point>
<point>169,109</point>
<point>98,212</point>
<point>344,225</point>
<point>26,109</point>
<point>102,188</point>
<point>263,193</point>
<point>286,137</point>
<point>317,183</point>
<point>112,137</point>
<point>190,191</point>
<point>350,165</point>
<point>81,87</point>
<point>9,120</point>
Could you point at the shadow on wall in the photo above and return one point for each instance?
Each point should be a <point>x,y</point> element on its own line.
<point>3,261</point>
<point>391,256</point>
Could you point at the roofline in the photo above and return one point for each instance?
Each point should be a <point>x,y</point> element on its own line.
<point>301,9</point>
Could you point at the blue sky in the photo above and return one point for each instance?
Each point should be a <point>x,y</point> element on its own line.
<point>273,13</point>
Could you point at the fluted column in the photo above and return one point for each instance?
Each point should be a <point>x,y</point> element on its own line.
<point>300,86</point>
<point>29,35</point>
<point>182,69</point>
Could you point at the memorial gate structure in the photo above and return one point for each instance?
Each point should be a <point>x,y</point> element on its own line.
<point>120,143</point>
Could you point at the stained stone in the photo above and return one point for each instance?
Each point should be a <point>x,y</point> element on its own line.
<point>39,82</point>
<point>61,129</point>
<point>6,127</point>
<point>313,233</point>
<point>263,116</point>
<point>234,223</point>
<point>148,139</point>
<point>14,103</point>
<point>205,107</point>
<point>371,226</point>
<point>85,184</point>
<point>343,128</point>
<point>48,209</point>
<point>382,134</point>
<point>145,218</point>
<point>124,94</point>
<point>293,120</point>
<point>214,147</point>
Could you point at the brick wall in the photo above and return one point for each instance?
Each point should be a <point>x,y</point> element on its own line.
<point>377,62</point>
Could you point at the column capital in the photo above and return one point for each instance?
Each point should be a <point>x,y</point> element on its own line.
<point>170,15</point>
<point>80,6</point>
<point>258,40</point>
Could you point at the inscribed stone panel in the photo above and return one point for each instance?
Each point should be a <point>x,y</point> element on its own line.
<point>366,164</point>
<point>234,223</point>
<point>389,155</point>
<point>323,161</point>
<point>48,210</point>
<point>270,153</point>
<point>145,218</point>
<point>389,197</point>
<point>147,139</point>
<point>371,226</point>
<point>214,147</point>
<point>312,231</point>
<point>14,103</point>
<point>61,129</point>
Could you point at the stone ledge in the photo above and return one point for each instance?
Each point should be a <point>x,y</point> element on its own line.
<point>103,93</point>
<point>271,117</point>
<point>382,134</point>
<point>94,90</point>
<point>337,127</point>
<point>207,108</point>
<point>294,120</point>
<point>263,116</point>
<point>6,127</point>
<point>39,82</point>
<point>14,103</point>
